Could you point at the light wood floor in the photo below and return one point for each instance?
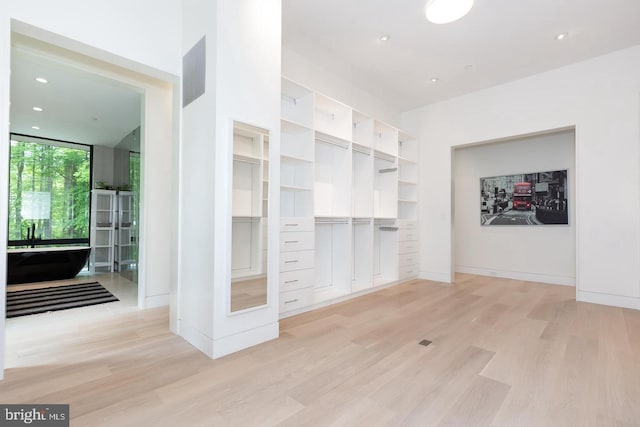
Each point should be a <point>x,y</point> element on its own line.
<point>504,353</point>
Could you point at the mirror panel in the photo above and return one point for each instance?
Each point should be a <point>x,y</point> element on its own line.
<point>249,217</point>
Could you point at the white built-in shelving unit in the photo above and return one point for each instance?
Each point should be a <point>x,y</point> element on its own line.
<point>102,232</point>
<point>348,197</point>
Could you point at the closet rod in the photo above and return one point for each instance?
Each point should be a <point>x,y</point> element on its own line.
<point>386,228</point>
<point>387,170</point>
<point>337,144</point>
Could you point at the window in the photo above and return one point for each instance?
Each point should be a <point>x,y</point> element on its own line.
<point>49,186</point>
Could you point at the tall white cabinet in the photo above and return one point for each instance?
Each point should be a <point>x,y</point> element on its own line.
<point>348,200</point>
<point>126,236</point>
<point>102,233</point>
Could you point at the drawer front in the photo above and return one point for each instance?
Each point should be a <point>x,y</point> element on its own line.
<point>297,279</point>
<point>293,300</point>
<point>296,241</point>
<point>408,247</point>
<point>407,234</point>
<point>290,261</point>
<point>408,223</point>
<point>407,259</point>
<point>296,224</point>
<point>408,272</point>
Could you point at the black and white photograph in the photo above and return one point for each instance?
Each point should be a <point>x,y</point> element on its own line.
<point>538,198</point>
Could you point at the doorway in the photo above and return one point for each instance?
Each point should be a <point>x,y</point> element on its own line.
<point>155,121</point>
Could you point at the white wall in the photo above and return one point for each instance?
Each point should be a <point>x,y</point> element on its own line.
<point>312,75</point>
<point>243,84</point>
<point>536,253</point>
<point>146,32</point>
<point>103,165</point>
<point>600,97</point>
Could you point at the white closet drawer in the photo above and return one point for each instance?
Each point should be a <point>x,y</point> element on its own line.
<point>407,259</point>
<point>296,224</point>
<point>293,300</point>
<point>297,279</point>
<point>407,234</point>
<point>290,261</point>
<point>408,271</point>
<point>408,247</point>
<point>296,241</point>
<point>408,223</point>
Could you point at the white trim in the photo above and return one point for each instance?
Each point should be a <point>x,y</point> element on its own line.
<point>245,339</point>
<point>607,299</point>
<point>154,301</point>
<point>343,298</point>
<point>436,277</point>
<point>518,275</point>
<point>195,338</point>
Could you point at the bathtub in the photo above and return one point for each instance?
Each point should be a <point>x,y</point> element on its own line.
<point>41,264</point>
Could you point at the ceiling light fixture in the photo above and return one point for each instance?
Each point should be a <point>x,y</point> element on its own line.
<point>562,36</point>
<point>434,80</point>
<point>37,109</point>
<point>445,11</point>
<point>384,38</point>
<point>41,80</point>
<point>35,127</point>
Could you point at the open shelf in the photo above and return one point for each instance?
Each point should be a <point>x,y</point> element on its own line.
<point>332,257</point>
<point>332,184</point>
<point>385,190</point>
<point>332,117</point>
<point>362,254</point>
<point>362,129</point>
<point>362,181</point>
<point>385,250</point>
<point>385,138</point>
<point>297,103</point>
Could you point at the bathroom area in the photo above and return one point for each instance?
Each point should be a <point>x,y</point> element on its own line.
<point>74,186</point>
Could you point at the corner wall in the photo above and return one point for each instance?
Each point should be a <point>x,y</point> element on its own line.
<point>600,98</point>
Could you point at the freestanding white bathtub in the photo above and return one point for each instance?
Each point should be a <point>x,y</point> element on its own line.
<point>40,264</point>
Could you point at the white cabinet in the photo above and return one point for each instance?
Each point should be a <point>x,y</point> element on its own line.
<point>348,201</point>
<point>126,236</point>
<point>102,235</point>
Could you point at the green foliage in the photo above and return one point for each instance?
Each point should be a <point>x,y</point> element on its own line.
<point>62,173</point>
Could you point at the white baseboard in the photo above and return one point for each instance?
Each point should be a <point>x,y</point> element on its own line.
<point>435,277</point>
<point>606,299</point>
<point>245,339</point>
<point>342,298</point>
<point>517,275</point>
<point>154,301</point>
<point>230,344</point>
<point>196,338</point>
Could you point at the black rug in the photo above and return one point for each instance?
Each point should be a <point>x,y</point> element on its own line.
<point>33,301</point>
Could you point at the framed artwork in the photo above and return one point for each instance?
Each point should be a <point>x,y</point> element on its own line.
<point>539,198</point>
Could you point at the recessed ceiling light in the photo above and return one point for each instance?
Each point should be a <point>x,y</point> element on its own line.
<point>35,127</point>
<point>41,80</point>
<point>37,109</point>
<point>445,11</point>
<point>384,38</point>
<point>435,79</point>
<point>562,36</point>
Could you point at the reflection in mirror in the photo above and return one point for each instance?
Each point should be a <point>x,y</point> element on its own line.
<point>249,216</point>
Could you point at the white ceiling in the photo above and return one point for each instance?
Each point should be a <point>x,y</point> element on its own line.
<point>497,42</point>
<point>78,106</point>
